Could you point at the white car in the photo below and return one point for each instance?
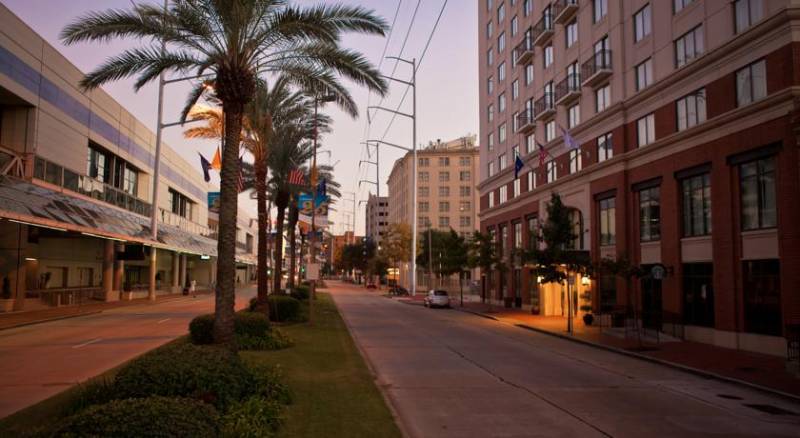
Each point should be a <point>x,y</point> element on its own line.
<point>437,298</point>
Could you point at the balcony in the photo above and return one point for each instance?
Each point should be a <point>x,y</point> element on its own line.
<point>568,89</point>
<point>542,31</point>
<point>524,50</point>
<point>563,10</point>
<point>543,107</point>
<point>596,69</point>
<point>526,122</point>
<point>168,217</point>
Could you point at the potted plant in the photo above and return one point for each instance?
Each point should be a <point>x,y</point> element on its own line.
<point>6,303</point>
<point>588,317</point>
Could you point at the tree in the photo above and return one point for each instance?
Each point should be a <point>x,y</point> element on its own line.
<point>233,41</point>
<point>396,246</point>
<point>433,249</point>
<point>454,259</point>
<point>483,254</point>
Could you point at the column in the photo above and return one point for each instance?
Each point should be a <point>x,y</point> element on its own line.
<point>182,278</point>
<point>17,273</point>
<point>151,290</point>
<point>176,284</point>
<point>108,271</point>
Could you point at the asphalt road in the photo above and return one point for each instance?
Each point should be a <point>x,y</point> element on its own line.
<point>41,360</point>
<point>449,373</point>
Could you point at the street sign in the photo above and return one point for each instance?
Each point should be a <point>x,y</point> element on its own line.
<point>312,271</point>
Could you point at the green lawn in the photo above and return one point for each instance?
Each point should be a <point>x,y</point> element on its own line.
<point>333,391</point>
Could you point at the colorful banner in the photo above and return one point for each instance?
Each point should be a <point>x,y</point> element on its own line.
<point>213,201</point>
<point>304,204</point>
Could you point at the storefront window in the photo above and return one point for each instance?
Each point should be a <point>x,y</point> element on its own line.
<point>762,297</point>
<point>698,294</point>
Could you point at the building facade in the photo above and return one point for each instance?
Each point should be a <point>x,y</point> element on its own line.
<point>681,154</point>
<point>76,178</point>
<point>446,195</point>
<point>377,217</point>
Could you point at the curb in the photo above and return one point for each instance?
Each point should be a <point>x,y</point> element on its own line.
<point>55,318</point>
<point>685,368</point>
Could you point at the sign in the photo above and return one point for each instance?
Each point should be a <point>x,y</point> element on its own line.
<point>213,201</point>
<point>306,203</point>
<point>658,272</point>
<point>312,271</point>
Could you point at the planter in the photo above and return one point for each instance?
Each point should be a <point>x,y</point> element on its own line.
<point>6,305</point>
<point>588,318</point>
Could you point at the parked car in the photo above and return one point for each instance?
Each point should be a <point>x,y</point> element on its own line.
<point>437,298</point>
<point>398,291</point>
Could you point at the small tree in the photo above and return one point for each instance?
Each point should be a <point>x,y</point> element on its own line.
<point>455,259</point>
<point>396,247</point>
<point>482,254</point>
<point>433,247</point>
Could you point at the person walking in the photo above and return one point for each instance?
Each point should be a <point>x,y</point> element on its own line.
<point>193,288</point>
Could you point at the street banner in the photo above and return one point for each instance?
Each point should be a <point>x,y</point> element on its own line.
<point>304,204</point>
<point>312,271</point>
<point>213,201</point>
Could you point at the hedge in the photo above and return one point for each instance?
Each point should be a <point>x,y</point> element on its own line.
<point>283,308</point>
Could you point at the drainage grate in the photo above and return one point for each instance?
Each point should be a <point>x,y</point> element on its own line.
<point>769,409</point>
<point>729,397</point>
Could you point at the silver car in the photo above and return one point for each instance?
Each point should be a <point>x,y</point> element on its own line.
<point>437,298</point>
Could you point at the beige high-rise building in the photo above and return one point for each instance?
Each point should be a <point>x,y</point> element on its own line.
<point>447,198</point>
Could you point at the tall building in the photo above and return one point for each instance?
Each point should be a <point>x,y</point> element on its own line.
<point>446,195</point>
<point>681,155</point>
<point>377,219</point>
<point>76,178</point>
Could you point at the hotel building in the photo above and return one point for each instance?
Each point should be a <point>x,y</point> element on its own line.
<point>684,114</point>
<point>377,217</point>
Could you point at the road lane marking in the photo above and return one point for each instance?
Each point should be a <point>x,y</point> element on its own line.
<point>87,343</point>
<point>163,320</point>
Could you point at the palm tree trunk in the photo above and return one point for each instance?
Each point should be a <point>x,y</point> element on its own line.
<point>226,242</point>
<point>293,217</point>
<point>261,201</point>
<point>278,258</point>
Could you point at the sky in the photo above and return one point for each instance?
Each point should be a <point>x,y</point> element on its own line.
<point>447,85</point>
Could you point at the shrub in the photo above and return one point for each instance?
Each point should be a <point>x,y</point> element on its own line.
<point>269,382</point>
<point>301,293</point>
<point>201,330</point>
<point>139,417</point>
<point>93,392</point>
<point>271,340</point>
<point>255,417</point>
<point>251,324</point>
<point>212,374</point>
<point>283,308</point>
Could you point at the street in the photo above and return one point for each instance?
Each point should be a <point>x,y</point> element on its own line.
<point>450,373</point>
<point>41,360</point>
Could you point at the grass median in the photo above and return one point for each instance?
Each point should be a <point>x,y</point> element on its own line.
<point>333,391</point>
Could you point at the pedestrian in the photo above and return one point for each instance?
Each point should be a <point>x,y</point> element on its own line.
<point>193,288</point>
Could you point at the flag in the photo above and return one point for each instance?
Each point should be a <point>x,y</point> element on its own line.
<point>322,189</point>
<point>518,165</point>
<point>542,154</point>
<point>205,165</point>
<point>568,140</point>
<point>216,162</point>
<point>296,177</point>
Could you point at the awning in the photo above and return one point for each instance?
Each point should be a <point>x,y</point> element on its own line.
<point>25,202</point>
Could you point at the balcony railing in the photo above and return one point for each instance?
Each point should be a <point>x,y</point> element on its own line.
<point>524,50</point>
<point>597,68</point>
<point>568,89</point>
<point>543,106</point>
<point>563,10</point>
<point>542,31</point>
<point>58,175</point>
<point>525,121</point>
<point>170,218</point>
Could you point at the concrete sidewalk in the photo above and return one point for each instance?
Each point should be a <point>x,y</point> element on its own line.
<point>755,369</point>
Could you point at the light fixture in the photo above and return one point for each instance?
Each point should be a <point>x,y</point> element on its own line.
<point>585,281</point>
<point>539,279</point>
<point>30,259</point>
<point>205,257</point>
<point>37,225</point>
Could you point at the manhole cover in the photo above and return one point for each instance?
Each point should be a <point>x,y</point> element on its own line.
<point>729,397</point>
<point>769,409</point>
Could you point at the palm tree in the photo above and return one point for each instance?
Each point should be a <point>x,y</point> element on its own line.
<point>233,42</point>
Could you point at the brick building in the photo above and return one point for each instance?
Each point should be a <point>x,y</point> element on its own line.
<point>687,156</point>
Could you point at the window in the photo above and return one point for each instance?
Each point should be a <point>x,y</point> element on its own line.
<point>644,74</point>
<point>514,26</point>
<point>444,191</point>
<point>130,180</point>
<point>751,83</point>
<point>503,160</point>
<point>602,98</point>
<point>530,143</point>
<point>464,161</point>
<point>491,199</point>
<point>533,233</point>
<point>444,176</point>
<point>501,103</point>
<point>762,297</point>
<point>516,187</point>
<point>489,5</point>
<point>680,4</point>
<point>514,122</point>
<point>646,130</point>
<point>423,162</point>
<point>548,55</point>
<point>573,116</point>
<point>572,33</point>
<point>464,175</point>
<point>490,85</point>
<point>517,235</point>
<point>698,294</point>
<point>551,171</point>
<point>490,113</point>
<point>465,221</point>
<point>501,71</point>
<point>423,191</point>
<point>575,161</point>
<point>515,89</point>
<point>691,109</point>
<point>689,46</point>
<point>464,206</point>
<point>503,194</point>
<point>501,42</point>
<point>527,7</point>
<point>757,182</point>
<point>528,74</point>
<point>424,177</point>
<point>608,233</point>
<point>650,214</point>
<point>696,193</point>
<point>464,191</point>
<point>550,131</point>
<point>501,244</point>
<point>423,207</point>
<point>492,168</point>
<point>501,133</point>
<point>641,24</point>
<point>180,204</point>
<point>489,29</point>
<point>576,219</point>
<point>444,161</point>
<point>531,180</point>
<point>600,9</point>
<point>98,165</point>
<point>515,152</point>
<point>444,206</point>
<point>489,57</point>
<point>501,12</point>
<point>605,148</point>
<point>444,222</point>
<point>424,222</point>
<point>747,13</point>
